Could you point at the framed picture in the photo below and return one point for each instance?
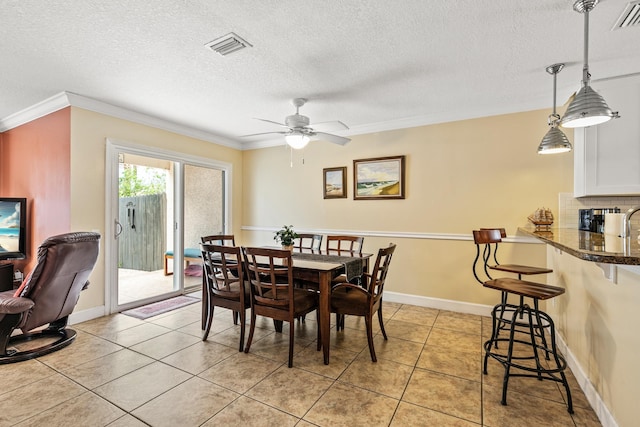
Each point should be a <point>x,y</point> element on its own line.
<point>379,178</point>
<point>335,183</point>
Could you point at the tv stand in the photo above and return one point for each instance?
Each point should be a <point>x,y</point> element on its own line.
<point>6,277</point>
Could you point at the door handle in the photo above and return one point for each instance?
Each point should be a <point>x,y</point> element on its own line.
<point>119,228</point>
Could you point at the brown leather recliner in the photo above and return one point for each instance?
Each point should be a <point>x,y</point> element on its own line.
<point>47,296</point>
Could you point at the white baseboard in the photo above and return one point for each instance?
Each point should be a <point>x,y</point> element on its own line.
<point>84,315</point>
<point>440,304</point>
<point>596,402</point>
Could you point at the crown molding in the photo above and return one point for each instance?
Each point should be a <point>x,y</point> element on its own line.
<point>66,99</point>
<point>41,109</point>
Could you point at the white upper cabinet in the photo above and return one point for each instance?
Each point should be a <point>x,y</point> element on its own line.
<point>607,156</point>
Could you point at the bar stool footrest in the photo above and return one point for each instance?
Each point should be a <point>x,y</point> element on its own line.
<point>503,359</point>
<point>536,343</point>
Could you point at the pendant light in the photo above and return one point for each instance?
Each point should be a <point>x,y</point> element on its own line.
<point>588,107</point>
<point>555,141</point>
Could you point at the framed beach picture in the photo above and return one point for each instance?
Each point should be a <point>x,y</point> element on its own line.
<point>335,183</point>
<point>379,178</point>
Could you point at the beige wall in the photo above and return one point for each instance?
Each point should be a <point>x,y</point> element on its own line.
<point>598,320</point>
<point>459,176</point>
<point>89,131</point>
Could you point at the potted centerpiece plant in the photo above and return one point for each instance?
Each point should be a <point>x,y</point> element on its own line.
<point>285,236</point>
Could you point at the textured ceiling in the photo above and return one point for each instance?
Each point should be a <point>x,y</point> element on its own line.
<point>373,65</point>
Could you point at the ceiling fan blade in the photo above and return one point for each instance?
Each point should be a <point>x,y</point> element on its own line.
<point>271,121</point>
<point>263,133</point>
<point>332,125</point>
<point>340,140</point>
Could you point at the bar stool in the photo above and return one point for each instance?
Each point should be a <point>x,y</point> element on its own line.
<point>528,322</point>
<point>492,238</point>
<point>513,268</point>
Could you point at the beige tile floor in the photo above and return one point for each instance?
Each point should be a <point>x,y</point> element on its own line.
<point>122,371</point>
<point>135,285</point>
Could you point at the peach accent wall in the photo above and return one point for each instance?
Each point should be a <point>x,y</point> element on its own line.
<point>35,163</point>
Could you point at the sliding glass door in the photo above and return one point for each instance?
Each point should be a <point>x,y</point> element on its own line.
<point>145,215</point>
<point>160,204</point>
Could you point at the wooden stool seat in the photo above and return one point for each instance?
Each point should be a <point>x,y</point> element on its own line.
<point>523,288</point>
<point>521,269</point>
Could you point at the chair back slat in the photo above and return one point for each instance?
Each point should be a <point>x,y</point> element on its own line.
<point>380,270</point>
<point>308,241</point>
<point>483,240</point>
<point>219,239</point>
<point>271,276</point>
<point>223,269</point>
<point>344,244</point>
<point>503,234</point>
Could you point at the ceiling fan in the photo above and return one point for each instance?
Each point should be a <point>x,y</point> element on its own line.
<point>299,132</point>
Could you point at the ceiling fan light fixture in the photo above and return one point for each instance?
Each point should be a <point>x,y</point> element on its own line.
<point>297,139</point>
<point>588,108</point>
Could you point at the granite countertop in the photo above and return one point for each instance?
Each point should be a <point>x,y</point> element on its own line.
<point>590,246</point>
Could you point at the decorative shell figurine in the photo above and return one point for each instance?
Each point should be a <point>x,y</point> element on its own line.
<point>542,218</point>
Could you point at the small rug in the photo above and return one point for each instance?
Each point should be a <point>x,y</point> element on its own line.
<point>160,307</point>
<point>194,270</point>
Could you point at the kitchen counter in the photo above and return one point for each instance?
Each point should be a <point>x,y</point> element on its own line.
<point>590,246</point>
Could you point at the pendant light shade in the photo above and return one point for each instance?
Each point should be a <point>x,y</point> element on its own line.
<point>555,141</point>
<point>588,108</point>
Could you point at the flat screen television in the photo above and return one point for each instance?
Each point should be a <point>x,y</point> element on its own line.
<point>13,228</point>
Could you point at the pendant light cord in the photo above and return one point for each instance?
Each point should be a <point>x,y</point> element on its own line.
<point>554,97</point>
<point>585,69</point>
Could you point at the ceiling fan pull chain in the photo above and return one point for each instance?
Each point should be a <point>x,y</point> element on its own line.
<point>290,157</point>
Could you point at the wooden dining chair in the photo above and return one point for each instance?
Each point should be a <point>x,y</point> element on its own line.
<point>219,239</point>
<point>273,294</point>
<point>365,300</point>
<point>308,242</point>
<point>214,239</point>
<point>225,282</point>
<point>344,244</point>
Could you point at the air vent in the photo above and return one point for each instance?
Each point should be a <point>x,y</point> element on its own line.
<point>629,17</point>
<point>228,44</point>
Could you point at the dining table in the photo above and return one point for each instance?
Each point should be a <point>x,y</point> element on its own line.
<point>321,267</point>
